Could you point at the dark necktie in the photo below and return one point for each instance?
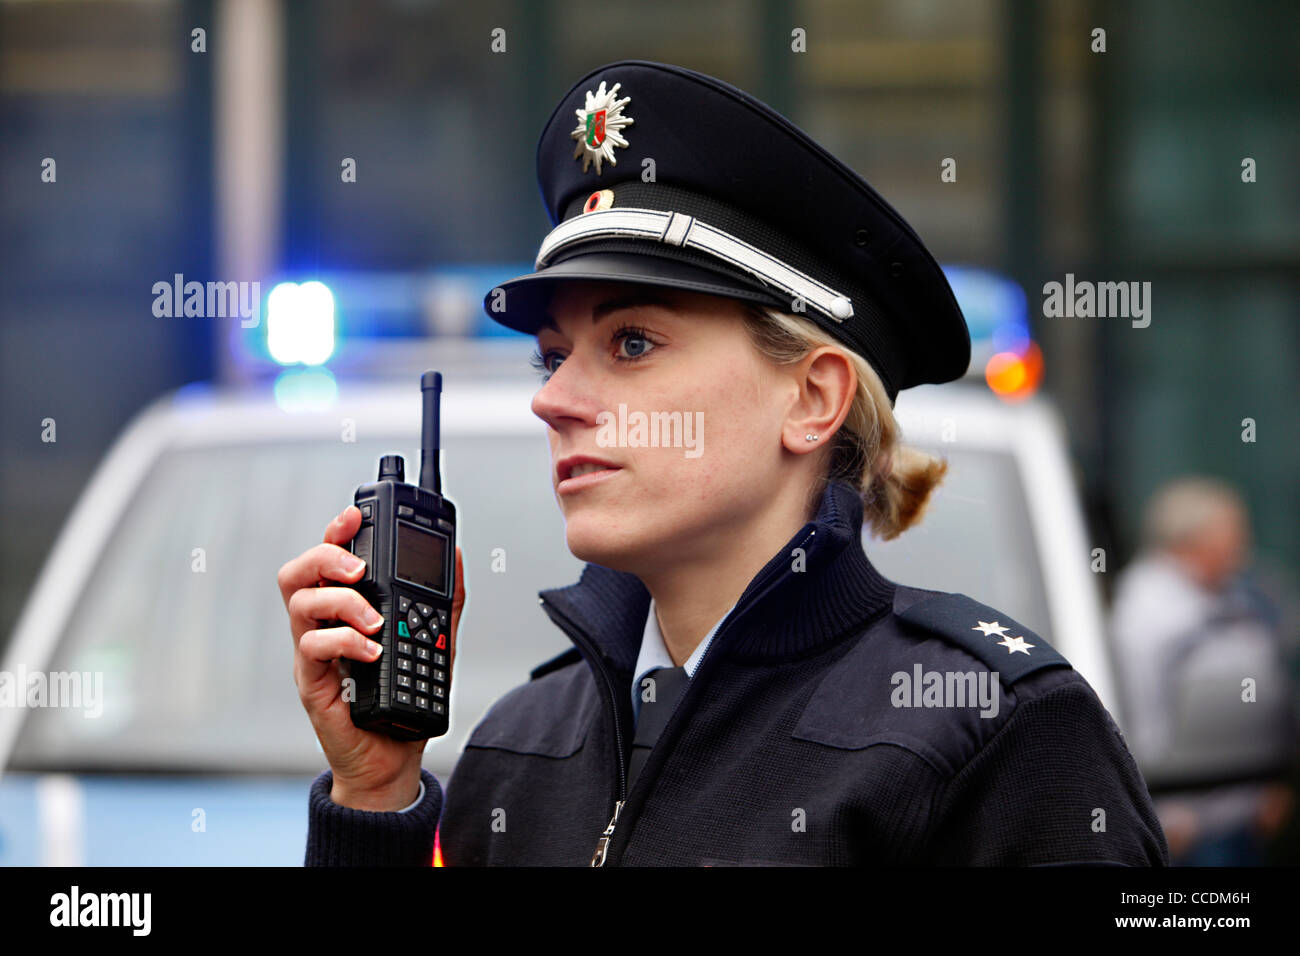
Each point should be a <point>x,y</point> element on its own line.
<point>669,683</point>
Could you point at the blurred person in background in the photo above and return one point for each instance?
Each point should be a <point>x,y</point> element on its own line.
<point>1203,665</point>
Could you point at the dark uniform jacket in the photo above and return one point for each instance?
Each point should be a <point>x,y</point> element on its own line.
<point>811,733</point>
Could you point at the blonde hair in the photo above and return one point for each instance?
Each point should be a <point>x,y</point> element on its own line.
<point>895,480</point>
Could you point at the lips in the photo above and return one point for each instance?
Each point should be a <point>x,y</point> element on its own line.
<point>574,466</point>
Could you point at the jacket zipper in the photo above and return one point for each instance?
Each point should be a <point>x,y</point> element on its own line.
<point>576,634</point>
<point>602,845</point>
<point>606,682</point>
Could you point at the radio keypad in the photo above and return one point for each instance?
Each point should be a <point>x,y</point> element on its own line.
<point>424,637</point>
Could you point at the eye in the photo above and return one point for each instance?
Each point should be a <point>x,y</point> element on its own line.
<point>543,362</point>
<point>633,343</point>
<point>630,343</point>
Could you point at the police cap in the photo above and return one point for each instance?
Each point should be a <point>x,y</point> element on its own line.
<point>657,174</point>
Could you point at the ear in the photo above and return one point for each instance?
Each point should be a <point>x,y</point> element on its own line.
<point>826,384</point>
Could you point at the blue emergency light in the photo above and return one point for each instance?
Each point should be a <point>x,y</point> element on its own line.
<point>300,323</point>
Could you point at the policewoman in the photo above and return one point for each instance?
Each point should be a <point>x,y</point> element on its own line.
<point>732,693</point>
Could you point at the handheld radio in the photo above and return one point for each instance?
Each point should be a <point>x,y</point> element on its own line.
<point>408,541</point>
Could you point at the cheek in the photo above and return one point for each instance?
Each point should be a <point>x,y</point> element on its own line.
<point>741,414</point>
<point>732,430</point>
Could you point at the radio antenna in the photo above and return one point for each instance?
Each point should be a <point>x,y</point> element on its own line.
<point>430,441</point>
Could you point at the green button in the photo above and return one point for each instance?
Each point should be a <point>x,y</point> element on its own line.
<point>401,629</point>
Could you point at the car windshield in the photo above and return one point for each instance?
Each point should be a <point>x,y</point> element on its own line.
<point>183,618</point>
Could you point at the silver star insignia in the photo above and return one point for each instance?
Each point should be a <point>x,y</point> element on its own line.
<point>987,628</point>
<point>1013,644</point>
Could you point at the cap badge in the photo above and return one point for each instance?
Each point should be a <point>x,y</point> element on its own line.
<point>601,199</point>
<point>599,126</point>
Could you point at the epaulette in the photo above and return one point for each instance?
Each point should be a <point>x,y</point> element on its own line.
<point>555,663</point>
<point>1005,645</point>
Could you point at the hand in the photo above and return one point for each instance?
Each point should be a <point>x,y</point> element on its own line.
<point>372,771</point>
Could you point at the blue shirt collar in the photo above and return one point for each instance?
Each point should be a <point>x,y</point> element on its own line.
<point>654,653</point>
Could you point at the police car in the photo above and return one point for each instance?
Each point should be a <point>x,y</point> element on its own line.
<point>185,742</point>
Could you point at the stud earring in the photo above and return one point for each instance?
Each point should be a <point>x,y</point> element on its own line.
<point>809,437</point>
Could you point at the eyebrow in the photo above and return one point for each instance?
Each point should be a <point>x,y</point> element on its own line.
<point>626,300</point>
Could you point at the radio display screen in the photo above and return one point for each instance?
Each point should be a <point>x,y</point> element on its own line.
<point>422,557</point>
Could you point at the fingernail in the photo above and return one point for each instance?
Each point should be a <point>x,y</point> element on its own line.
<point>374,648</point>
<point>353,564</point>
<point>374,618</point>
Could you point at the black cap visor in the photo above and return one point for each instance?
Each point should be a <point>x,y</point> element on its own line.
<point>526,298</point>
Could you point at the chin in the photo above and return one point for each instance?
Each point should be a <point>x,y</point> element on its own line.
<point>591,539</point>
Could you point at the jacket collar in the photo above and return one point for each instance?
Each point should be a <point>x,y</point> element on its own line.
<point>782,614</point>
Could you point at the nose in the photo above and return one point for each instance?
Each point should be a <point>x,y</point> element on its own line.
<point>566,397</point>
